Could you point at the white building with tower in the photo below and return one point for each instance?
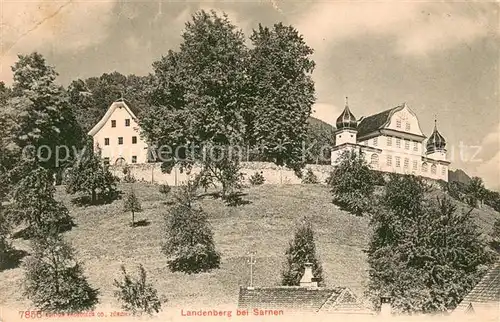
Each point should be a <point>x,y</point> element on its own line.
<point>392,141</point>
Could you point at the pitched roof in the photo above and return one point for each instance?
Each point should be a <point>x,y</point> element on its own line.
<point>109,112</point>
<point>486,291</point>
<point>374,122</point>
<point>302,299</point>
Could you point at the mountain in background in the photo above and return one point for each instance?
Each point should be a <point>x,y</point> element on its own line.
<point>458,175</point>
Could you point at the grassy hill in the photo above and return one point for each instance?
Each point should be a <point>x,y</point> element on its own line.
<point>104,241</point>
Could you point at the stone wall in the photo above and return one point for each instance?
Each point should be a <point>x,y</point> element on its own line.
<point>273,174</point>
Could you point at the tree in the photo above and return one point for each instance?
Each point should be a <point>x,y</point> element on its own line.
<point>90,175</point>
<point>132,204</point>
<point>54,279</point>
<point>34,204</point>
<point>301,250</point>
<point>42,114</point>
<point>90,98</point>
<point>199,98</point>
<point>6,249</point>
<point>279,83</point>
<point>352,182</point>
<point>475,192</point>
<point>424,253</point>
<point>189,243</point>
<point>137,296</point>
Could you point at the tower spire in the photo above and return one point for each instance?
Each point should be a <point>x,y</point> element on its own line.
<point>346,101</point>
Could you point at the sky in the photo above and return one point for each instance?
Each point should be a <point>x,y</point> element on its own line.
<point>441,58</point>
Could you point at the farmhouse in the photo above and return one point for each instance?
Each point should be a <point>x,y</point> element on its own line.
<point>392,141</point>
<point>117,136</point>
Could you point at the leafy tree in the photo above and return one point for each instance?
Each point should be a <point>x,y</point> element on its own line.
<point>352,182</point>
<point>41,111</point>
<point>302,250</point>
<point>34,204</point>
<point>90,98</point>
<point>475,192</point>
<point>310,178</point>
<point>189,243</point>
<point>54,279</point>
<point>280,83</point>
<point>424,253</point>
<point>132,204</point>
<point>90,175</point>
<point>137,295</point>
<point>320,139</point>
<point>199,98</point>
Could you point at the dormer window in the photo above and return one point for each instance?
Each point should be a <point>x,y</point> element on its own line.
<point>127,122</point>
<point>407,126</point>
<point>113,123</point>
<point>398,124</point>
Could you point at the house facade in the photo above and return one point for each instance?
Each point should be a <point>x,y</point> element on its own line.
<point>117,136</point>
<point>392,141</point>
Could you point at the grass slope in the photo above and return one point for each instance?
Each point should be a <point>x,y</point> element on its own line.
<point>104,241</point>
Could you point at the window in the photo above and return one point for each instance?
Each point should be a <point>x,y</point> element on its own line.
<point>407,126</point>
<point>374,160</point>
<point>433,169</point>
<point>113,123</point>
<point>407,145</point>
<point>415,164</point>
<point>106,160</point>
<point>106,141</point>
<point>127,122</point>
<point>424,167</point>
<point>407,163</point>
<point>398,143</point>
<point>443,170</point>
<point>398,162</point>
<point>134,159</point>
<point>398,124</point>
<point>375,141</point>
<point>389,141</point>
<point>415,146</point>
<point>120,140</point>
<point>389,160</point>
<point>134,139</point>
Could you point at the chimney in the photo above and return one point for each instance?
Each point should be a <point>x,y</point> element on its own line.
<point>385,306</point>
<point>308,279</point>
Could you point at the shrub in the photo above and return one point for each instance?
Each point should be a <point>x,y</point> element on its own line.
<point>54,280</point>
<point>352,183</point>
<point>310,177</point>
<point>301,250</point>
<point>257,179</point>
<point>137,296</point>
<point>164,189</point>
<point>128,176</point>
<point>189,243</point>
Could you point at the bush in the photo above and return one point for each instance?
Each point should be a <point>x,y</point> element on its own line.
<point>128,177</point>
<point>54,280</point>
<point>352,183</point>
<point>257,179</point>
<point>189,243</point>
<point>301,250</point>
<point>310,177</point>
<point>137,296</point>
<point>164,189</point>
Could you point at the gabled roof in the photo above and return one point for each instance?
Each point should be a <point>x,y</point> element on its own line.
<point>301,299</point>
<point>375,122</point>
<point>487,291</point>
<point>105,118</point>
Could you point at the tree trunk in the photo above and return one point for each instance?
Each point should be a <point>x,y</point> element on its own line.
<point>93,196</point>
